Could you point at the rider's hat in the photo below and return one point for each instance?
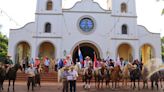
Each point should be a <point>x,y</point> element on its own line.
<point>37,58</point>
<point>8,55</point>
<point>87,57</point>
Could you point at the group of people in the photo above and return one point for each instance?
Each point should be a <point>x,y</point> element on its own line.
<point>33,68</point>
<point>88,66</point>
<point>45,63</point>
<point>69,78</point>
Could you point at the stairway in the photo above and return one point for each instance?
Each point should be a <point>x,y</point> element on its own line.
<point>45,77</point>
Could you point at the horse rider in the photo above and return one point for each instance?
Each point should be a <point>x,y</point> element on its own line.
<point>137,64</point>
<point>31,76</point>
<point>87,61</point>
<point>122,63</point>
<point>8,63</point>
<point>88,75</point>
<point>78,63</point>
<point>68,61</point>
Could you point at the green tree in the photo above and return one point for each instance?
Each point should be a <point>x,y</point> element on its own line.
<point>3,45</point>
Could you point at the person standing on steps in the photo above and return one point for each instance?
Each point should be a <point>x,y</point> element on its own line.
<point>31,76</point>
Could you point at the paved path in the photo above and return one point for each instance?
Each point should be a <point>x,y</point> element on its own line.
<point>57,87</point>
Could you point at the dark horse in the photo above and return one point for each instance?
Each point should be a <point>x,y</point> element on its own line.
<point>88,77</point>
<point>2,77</point>
<point>135,75</point>
<point>10,75</point>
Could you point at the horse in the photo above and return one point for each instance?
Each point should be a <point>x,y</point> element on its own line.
<point>2,77</point>
<point>88,73</point>
<point>154,78</point>
<point>115,75</point>
<point>12,73</point>
<point>107,77</point>
<point>161,79</point>
<point>135,74</point>
<point>126,73</point>
<point>101,76</point>
<point>144,75</point>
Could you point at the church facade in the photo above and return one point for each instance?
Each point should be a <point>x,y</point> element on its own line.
<point>58,32</point>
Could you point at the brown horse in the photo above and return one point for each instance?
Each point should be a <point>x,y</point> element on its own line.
<point>145,74</point>
<point>88,73</point>
<point>101,76</point>
<point>126,74</point>
<point>115,75</point>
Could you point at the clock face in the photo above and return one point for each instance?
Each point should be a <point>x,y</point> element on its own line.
<point>86,24</point>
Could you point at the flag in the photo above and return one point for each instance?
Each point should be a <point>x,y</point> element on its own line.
<point>80,55</point>
<point>118,61</point>
<point>95,62</point>
<point>60,63</point>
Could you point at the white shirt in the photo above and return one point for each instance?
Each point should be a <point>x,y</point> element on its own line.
<point>74,74</point>
<point>31,72</point>
<point>86,63</point>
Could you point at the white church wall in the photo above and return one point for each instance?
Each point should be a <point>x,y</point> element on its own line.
<point>16,36</point>
<point>54,20</point>
<point>131,7</point>
<point>65,33</point>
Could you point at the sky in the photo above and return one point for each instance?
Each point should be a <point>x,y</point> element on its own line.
<point>16,13</point>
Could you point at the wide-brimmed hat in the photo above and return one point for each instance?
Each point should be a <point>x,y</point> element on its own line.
<point>87,57</point>
<point>8,55</point>
<point>66,68</point>
<point>72,67</point>
<point>37,58</point>
<point>135,66</point>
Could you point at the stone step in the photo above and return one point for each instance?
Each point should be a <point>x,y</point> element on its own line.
<point>47,77</point>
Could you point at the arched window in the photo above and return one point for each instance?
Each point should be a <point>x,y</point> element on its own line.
<point>124,29</point>
<point>49,5</point>
<point>123,8</point>
<point>48,28</point>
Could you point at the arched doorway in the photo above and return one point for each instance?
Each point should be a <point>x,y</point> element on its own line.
<point>125,51</point>
<point>87,49</point>
<point>46,49</point>
<point>22,51</point>
<point>146,53</point>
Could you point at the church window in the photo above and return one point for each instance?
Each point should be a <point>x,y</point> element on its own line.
<point>124,29</point>
<point>123,8</point>
<point>47,28</point>
<point>86,24</point>
<point>49,5</point>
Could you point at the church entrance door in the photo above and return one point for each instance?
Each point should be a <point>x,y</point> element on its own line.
<point>87,49</point>
<point>22,52</point>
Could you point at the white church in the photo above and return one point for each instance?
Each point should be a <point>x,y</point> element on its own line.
<point>111,32</point>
